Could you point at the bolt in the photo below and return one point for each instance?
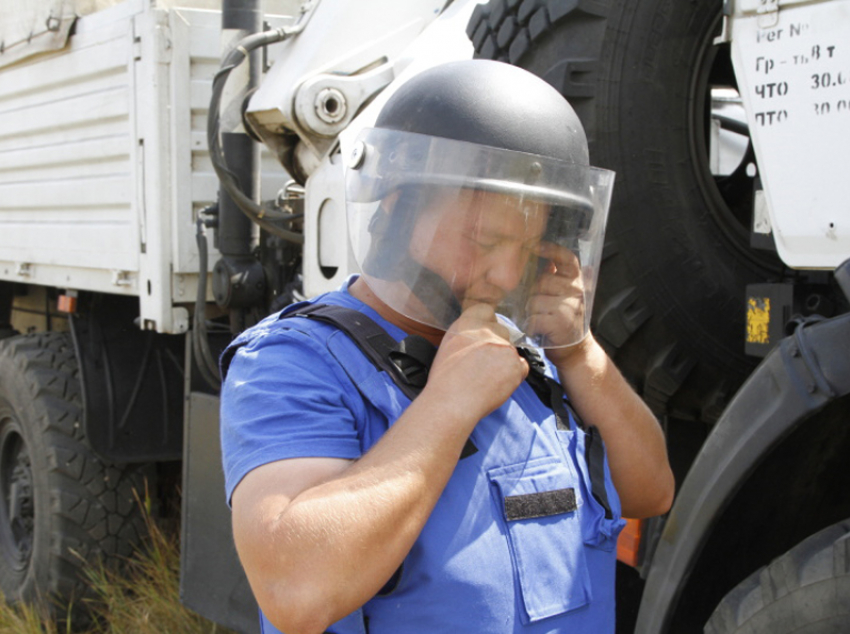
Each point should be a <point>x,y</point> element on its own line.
<point>331,105</point>
<point>358,155</point>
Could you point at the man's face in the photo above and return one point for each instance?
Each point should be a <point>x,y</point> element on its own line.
<point>479,242</point>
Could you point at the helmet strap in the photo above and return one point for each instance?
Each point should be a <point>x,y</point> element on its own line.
<point>434,293</point>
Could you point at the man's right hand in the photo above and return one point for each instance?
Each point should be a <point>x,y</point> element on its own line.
<point>476,367</point>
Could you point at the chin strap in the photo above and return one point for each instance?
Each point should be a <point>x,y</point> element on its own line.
<point>433,292</point>
<point>388,260</point>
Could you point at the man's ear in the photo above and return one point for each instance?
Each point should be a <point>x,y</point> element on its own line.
<point>389,201</point>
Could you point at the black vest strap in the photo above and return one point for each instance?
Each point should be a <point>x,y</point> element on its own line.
<point>595,457</point>
<point>552,394</point>
<point>372,340</point>
<point>413,356</point>
<point>548,390</point>
<point>407,362</point>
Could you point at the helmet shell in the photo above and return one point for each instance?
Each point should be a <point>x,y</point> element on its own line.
<point>488,103</point>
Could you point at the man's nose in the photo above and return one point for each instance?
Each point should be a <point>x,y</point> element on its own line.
<point>505,267</point>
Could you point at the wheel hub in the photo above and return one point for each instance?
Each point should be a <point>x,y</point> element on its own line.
<point>17,508</point>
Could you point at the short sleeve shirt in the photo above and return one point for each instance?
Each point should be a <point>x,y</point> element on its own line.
<point>287,396</point>
<point>516,543</point>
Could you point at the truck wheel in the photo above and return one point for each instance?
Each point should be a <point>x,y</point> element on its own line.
<point>804,591</point>
<point>60,506</point>
<point>641,75</point>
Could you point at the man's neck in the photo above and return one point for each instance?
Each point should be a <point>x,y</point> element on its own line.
<point>361,291</point>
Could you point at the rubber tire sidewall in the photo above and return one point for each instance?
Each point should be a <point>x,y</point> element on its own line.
<point>670,302</point>
<point>28,411</point>
<point>16,584</point>
<point>804,591</point>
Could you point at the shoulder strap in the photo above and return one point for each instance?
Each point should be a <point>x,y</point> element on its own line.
<point>407,362</point>
<point>552,394</point>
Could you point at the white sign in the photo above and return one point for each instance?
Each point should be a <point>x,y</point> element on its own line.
<point>793,70</point>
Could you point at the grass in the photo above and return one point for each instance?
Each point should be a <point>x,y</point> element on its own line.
<point>142,599</point>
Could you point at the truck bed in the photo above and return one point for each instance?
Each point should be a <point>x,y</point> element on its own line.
<point>103,160</point>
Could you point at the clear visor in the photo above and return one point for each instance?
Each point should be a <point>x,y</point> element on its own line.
<point>438,225</point>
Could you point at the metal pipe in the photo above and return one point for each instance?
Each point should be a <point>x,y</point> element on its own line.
<point>235,232</point>
<point>238,280</point>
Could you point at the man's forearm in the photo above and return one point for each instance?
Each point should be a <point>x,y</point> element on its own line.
<point>328,550</point>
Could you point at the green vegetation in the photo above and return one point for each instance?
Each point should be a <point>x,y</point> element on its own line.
<point>142,599</point>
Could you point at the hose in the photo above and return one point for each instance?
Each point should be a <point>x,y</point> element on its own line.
<point>267,215</point>
<point>201,351</point>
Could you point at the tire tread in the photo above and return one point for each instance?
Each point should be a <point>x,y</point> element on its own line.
<point>94,512</point>
<point>684,362</point>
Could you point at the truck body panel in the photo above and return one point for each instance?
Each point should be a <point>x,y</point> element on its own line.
<point>103,161</point>
<point>793,73</point>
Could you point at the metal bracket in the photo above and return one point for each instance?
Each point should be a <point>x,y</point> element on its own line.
<point>326,104</point>
<point>725,31</point>
<point>121,278</point>
<point>768,13</point>
<point>842,276</point>
<point>291,198</point>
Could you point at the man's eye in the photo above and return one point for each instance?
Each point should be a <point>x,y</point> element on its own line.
<point>484,243</point>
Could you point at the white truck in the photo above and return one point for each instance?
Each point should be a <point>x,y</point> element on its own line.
<point>723,294</point>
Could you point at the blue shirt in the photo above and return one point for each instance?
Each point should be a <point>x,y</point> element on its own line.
<point>516,543</point>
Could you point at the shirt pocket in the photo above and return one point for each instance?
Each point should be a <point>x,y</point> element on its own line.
<point>538,502</point>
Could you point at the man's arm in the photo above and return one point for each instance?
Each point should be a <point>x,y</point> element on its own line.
<point>637,454</point>
<point>319,537</point>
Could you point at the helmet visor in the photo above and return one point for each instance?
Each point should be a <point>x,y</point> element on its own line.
<point>438,225</point>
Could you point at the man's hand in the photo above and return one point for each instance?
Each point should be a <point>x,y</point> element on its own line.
<point>556,308</point>
<point>476,367</point>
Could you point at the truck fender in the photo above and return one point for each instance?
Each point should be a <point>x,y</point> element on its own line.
<point>131,382</point>
<point>804,373</point>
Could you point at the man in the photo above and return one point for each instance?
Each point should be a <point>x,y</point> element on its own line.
<point>484,505</point>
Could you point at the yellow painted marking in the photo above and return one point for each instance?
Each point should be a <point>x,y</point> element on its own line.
<point>758,319</point>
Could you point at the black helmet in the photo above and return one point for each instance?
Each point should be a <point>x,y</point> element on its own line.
<point>488,103</point>
<point>464,148</point>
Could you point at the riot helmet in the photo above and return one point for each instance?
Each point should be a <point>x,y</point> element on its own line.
<point>475,186</point>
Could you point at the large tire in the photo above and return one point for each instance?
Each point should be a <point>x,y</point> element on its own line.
<point>60,506</point>
<point>806,591</point>
<point>670,300</point>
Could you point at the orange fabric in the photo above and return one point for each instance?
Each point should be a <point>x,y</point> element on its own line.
<point>628,544</point>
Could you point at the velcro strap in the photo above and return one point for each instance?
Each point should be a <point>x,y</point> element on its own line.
<point>543,504</point>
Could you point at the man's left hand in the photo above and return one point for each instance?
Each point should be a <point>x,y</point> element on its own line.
<point>557,304</point>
